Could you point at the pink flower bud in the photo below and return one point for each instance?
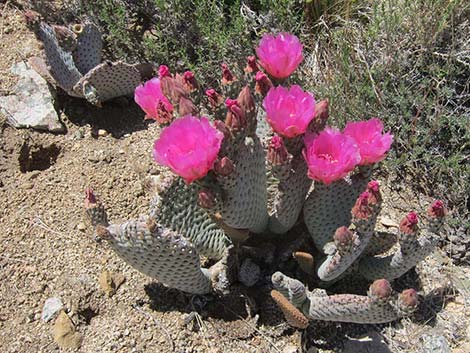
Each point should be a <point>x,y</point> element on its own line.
<point>373,187</point>
<point>277,152</point>
<point>235,119</point>
<point>343,239</point>
<point>330,155</point>
<point>163,71</point>
<point>220,125</point>
<point>263,83</point>
<point>251,64</point>
<point>437,209</point>
<point>373,144</point>
<point>380,289</point>
<point>362,209</point>
<point>189,81</point>
<point>187,107</point>
<point>153,102</point>
<point>409,223</point>
<point>280,55</point>
<point>227,76</point>
<point>215,99</point>
<point>289,111</point>
<point>247,103</point>
<point>409,298</point>
<point>224,166</point>
<point>189,147</point>
<point>320,117</point>
<point>206,199</point>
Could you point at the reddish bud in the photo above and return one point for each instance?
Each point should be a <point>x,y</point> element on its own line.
<point>206,199</point>
<point>224,166</point>
<point>235,118</point>
<point>251,64</point>
<point>186,107</point>
<point>409,223</point>
<point>362,209</point>
<point>373,187</point>
<point>437,209</point>
<point>173,88</point>
<point>189,81</point>
<point>215,99</point>
<point>164,115</point>
<point>277,152</point>
<point>380,289</point>
<point>163,71</point>
<point>320,117</point>
<point>220,125</point>
<point>343,238</point>
<point>227,76</point>
<point>246,102</point>
<point>409,298</point>
<point>263,83</point>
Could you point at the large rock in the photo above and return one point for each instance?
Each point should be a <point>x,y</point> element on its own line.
<point>32,103</point>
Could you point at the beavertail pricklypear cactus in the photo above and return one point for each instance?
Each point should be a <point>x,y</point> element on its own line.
<point>265,189</point>
<point>73,62</point>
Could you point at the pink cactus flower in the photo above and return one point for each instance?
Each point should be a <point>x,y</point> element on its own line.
<point>189,147</point>
<point>153,102</point>
<point>372,142</point>
<point>289,111</point>
<point>330,155</point>
<point>280,55</point>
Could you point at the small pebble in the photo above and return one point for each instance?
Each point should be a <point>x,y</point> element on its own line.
<point>51,308</point>
<point>102,132</point>
<point>81,226</point>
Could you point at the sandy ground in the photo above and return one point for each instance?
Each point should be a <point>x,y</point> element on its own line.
<point>46,249</point>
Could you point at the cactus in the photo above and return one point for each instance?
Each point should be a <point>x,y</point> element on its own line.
<point>73,61</point>
<point>262,193</point>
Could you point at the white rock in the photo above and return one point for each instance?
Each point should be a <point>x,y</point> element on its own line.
<point>32,104</point>
<point>51,308</point>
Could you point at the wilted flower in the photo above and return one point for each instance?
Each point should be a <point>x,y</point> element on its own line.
<point>189,147</point>
<point>372,143</point>
<point>330,155</point>
<point>153,102</point>
<point>263,83</point>
<point>280,55</point>
<point>409,223</point>
<point>289,111</point>
<point>187,107</point>
<point>277,152</point>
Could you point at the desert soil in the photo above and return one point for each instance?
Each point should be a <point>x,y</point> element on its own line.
<point>47,250</point>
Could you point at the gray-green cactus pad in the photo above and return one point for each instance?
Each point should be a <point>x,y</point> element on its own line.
<point>87,55</point>
<point>175,207</point>
<point>161,254</point>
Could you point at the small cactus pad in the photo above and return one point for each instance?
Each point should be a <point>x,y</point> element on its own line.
<point>161,254</point>
<point>87,54</point>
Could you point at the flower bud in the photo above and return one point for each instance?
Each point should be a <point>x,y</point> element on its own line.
<point>186,107</point>
<point>207,199</point>
<point>163,71</point>
<point>409,223</point>
<point>263,83</point>
<point>189,81</point>
<point>215,99</point>
<point>344,239</point>
<point>227,76</point>
<point>224,166</point>
<point>437,209</point>
<point>251,64</point>
<point>380,289</point>
<point>247,103</point>
<point>362,209</point>
<point>277,152</point>
<point>373,187</point>
<point>235,118</point>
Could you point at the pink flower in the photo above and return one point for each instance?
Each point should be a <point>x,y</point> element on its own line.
<point>289,111</point>
<point>280,55</point>
<point>330,155</point>
<point>189,147</point>
<point>372,143</point>
<point>153,102</point>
